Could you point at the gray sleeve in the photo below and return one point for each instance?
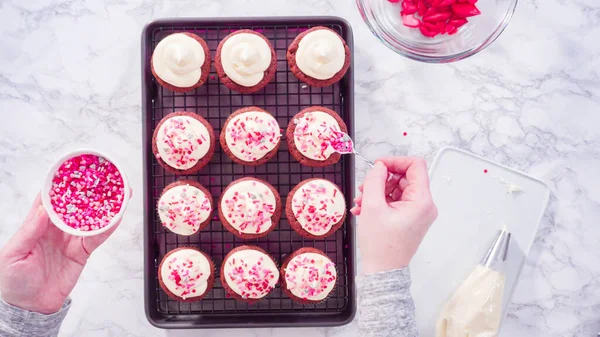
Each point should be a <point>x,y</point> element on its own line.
<point>385,306</point>
<point>16,322</point>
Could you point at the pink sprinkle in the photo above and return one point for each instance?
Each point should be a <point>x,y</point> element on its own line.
<point>405,134</point>
<point>250,133</point>
<point>485,171</point>
<point>87,191</point>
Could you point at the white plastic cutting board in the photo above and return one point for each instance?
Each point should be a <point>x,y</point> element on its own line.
<point>472,206</point>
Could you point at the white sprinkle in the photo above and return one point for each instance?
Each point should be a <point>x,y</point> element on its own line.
<point>513,189</point>
<point>446,180</point>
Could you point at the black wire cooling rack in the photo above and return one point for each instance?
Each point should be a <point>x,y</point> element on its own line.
<point>283,98</point>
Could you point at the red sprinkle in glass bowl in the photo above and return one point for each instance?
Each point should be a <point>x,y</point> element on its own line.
<point>385,21</point>
<point>85,193</point>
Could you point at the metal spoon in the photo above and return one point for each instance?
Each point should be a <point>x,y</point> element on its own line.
<point>343,144</point>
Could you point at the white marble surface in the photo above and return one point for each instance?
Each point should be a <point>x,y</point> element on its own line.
<point>70,76</point>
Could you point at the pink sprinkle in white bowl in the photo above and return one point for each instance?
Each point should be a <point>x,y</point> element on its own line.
<point>48,194</point>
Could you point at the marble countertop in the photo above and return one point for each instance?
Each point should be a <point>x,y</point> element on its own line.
<point>70,76</point>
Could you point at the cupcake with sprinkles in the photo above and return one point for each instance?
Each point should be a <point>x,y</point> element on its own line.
<point>250,136</point>
<point>319,57</point>
<point>185,207</point>
<point>181,62</point>
<point>308,276</point>
<point>316,208</point>
<point>245,61</point>
<point>310,133</point>
<point>183,142</point>
<point>186,274</point>
<point>249,274</point>
<point>250,208</point>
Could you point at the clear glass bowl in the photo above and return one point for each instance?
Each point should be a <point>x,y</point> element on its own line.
<point>384,20</point>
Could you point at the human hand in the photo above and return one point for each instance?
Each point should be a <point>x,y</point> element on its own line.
<point>394,214</point>
<point>41,264</point>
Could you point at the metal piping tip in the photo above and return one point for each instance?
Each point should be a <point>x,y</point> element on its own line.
<point>498,250</point>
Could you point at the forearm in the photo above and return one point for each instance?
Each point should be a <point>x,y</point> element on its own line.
<point>385,306</point>
<point>16,322</point>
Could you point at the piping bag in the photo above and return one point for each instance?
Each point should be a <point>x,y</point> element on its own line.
<point>475,309</point>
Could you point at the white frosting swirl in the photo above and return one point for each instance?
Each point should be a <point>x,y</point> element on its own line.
<point>245,57</point>
<point>185,273</point>
<point>250,273</point>
<point>178,59</point>
<point>321,54</point>
<point>313,134</point>
<point>248,206</point>
<point>251,135</point>
<point>182,141</point>
<point>318,205</point>
<point>310,276</point>
<point>183,208</point>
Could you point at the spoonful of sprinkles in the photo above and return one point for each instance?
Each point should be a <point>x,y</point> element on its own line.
<point>343,144</point>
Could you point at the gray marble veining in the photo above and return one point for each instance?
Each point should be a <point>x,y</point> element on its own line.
<point>70,76</point>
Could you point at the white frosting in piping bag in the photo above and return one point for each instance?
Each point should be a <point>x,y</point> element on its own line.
<point>321,54</point>
<point>245,57</point>
<point>178,59</point>
<point>250,273</point>
<point>310,276</point>
<point>475,309</point>
<point>185,273</point>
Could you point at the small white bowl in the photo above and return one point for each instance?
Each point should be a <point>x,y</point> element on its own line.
<point>48,185</point>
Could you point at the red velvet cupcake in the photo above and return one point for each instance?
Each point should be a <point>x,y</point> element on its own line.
<point>185,207</point>
<point>310,133</point>
<point>319,57</point>
<point>316,208</point>
<point>250,136</point>
<point>249,273</point>
<point>186,274</point>
<point>181,62</point>
<point>183,142</point>
<point>250,208</point>
<point>308,276</point>
<point>246,61</point>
